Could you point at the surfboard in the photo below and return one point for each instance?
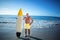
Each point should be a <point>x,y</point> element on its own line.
<point>19,23</point>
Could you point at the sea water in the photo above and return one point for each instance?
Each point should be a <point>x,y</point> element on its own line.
<point>38,21</point>
<point>43,27</point>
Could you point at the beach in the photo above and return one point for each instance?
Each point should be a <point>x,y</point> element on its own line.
<point>40,29</point>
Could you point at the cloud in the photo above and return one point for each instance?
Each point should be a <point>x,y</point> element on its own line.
<point>6,11</point>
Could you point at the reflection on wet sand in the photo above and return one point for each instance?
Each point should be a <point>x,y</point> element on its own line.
<point>35,38</point>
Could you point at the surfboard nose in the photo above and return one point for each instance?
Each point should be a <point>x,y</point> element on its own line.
<point>20,12</point>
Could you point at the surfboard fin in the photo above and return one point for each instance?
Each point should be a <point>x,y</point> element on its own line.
<point>18,34</point>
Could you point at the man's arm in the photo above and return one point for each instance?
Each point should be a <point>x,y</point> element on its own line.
<point>31,21</point>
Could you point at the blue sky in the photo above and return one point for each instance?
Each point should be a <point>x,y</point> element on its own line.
<point>33,7</point>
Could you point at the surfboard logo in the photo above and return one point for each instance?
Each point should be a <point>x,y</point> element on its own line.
<point>20,12</point>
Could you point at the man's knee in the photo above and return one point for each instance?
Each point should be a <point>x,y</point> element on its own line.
<point>28,31</point>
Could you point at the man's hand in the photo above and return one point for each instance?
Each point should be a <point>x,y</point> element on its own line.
<point>31,22</point>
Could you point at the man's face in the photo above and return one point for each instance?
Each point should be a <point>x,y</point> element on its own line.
<point>27,14</point>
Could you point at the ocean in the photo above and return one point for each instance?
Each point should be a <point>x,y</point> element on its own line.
<point>42,28</point>
<point>39,21</point>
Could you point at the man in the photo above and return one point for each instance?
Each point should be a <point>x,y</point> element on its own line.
<point>28,22</point>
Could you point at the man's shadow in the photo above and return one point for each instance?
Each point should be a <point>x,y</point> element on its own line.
<point>35,38</point>
<point>30,37</point>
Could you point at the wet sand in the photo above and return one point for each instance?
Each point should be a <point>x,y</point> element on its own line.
<point>8,32</point>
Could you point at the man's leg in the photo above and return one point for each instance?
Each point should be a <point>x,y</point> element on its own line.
<point>18,34</point>
<point>28,32</point>
<point>25,32</point>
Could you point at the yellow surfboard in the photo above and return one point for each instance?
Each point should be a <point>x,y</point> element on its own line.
<point>19,21</point>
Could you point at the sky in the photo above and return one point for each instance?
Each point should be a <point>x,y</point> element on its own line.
<point>33,7</point>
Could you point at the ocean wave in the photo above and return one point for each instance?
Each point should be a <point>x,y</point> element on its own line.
<point>7,22</point>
